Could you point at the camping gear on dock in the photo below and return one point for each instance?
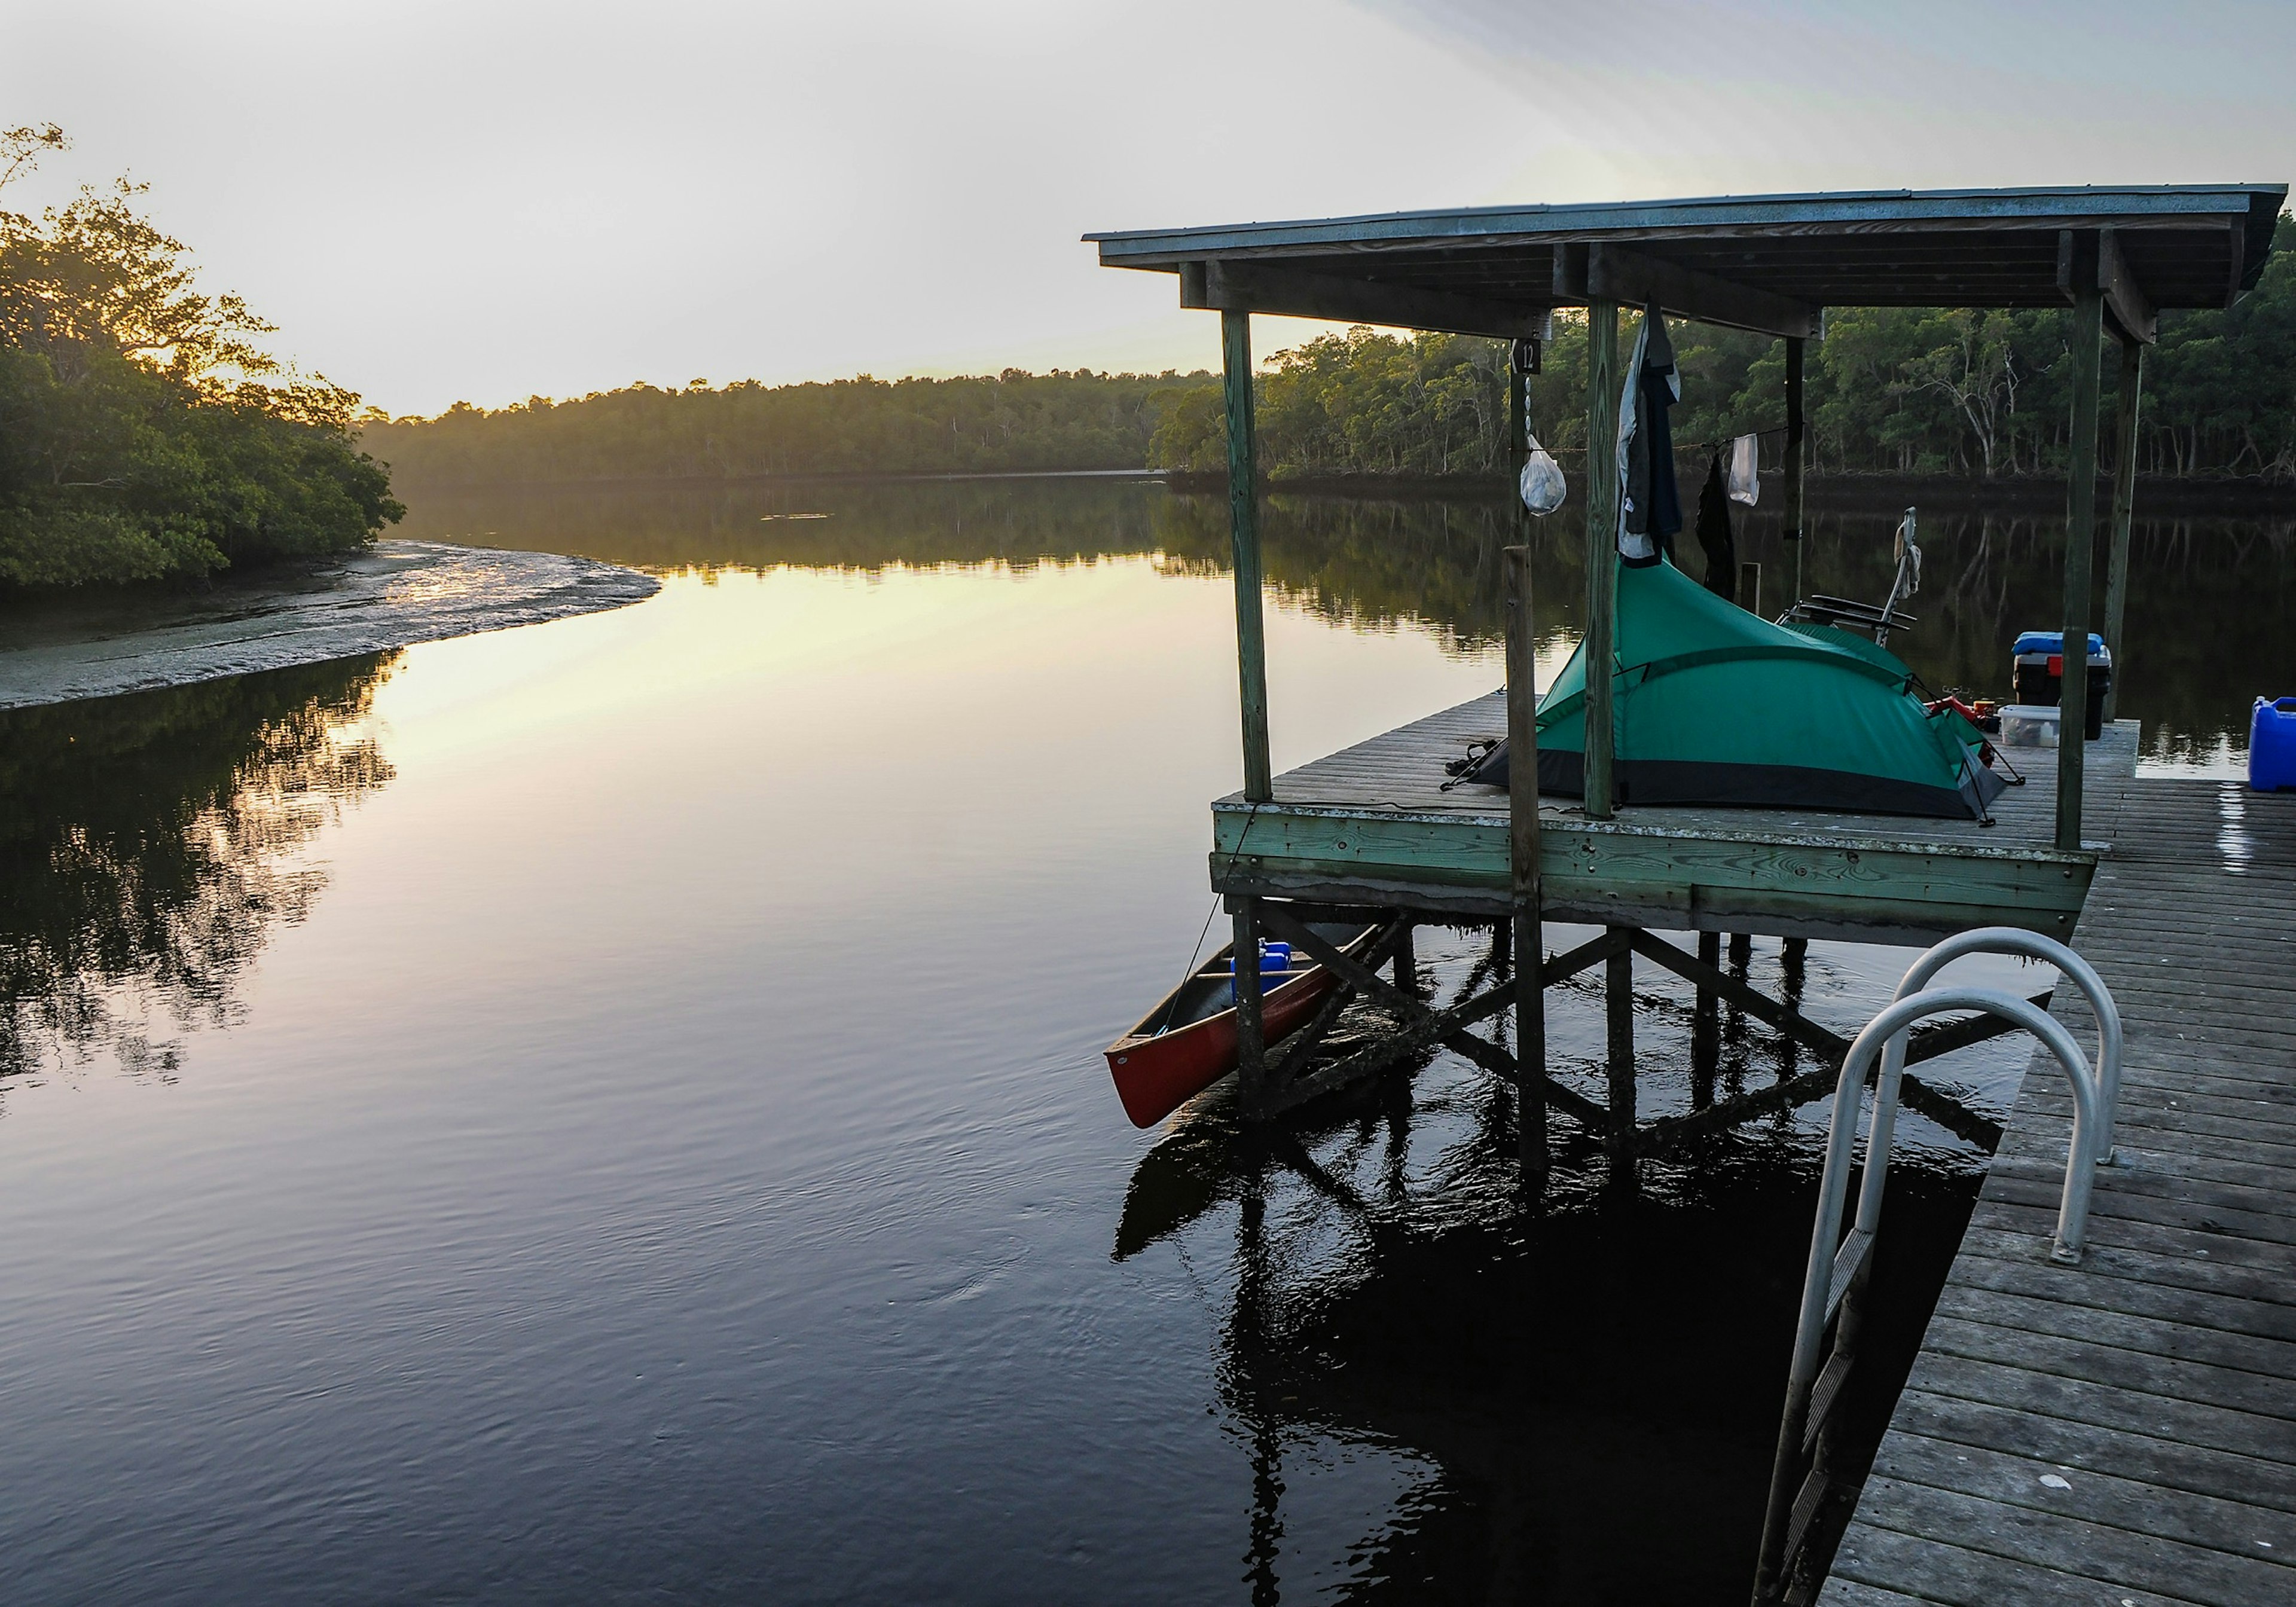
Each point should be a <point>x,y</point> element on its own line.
<point>1717,706</point>
<point>2272,745</point>
<point>1188,1042</point>
<point>2039,670</point>
<point>2029,724</point>
<point>1842,612</point>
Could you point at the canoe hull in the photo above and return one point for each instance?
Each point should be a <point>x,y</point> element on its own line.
<point>1156,1074</point>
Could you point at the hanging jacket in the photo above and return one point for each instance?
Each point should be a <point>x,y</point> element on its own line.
<point>1651,507</point>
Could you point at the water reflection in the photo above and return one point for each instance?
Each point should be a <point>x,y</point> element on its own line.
<point>2206,598</point>
<point>148,846</point>
<point>1606,1360</point>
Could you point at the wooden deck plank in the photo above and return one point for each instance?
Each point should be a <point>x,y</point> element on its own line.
<point>2061,1541</point>
<point>1941,1572</point>
<point>2163,1369</point>
<point>2157,1462</point>
<point>2108,1500</point>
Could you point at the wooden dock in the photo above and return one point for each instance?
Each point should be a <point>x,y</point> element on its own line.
<point>2123,1433</point>
<point>1373,825</point>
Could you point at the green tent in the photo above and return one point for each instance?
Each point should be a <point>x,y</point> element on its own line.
<point>1714,705</point>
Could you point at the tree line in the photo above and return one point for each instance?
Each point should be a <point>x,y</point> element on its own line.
<point>145,434</point>
<point>1011,422</point>
<point>1901,390</point>
<point>1891,391</point>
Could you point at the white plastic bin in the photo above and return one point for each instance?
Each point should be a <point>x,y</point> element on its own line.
<point>2029,724</point>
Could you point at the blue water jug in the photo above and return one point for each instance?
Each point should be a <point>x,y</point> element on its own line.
<point>2272,744</point>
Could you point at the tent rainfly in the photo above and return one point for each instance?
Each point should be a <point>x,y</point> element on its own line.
<point>1714,705</point>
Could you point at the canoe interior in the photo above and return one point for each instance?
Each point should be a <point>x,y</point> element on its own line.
<point>1205,995</point>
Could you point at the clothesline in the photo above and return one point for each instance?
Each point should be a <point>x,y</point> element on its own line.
<point>1694,445</point>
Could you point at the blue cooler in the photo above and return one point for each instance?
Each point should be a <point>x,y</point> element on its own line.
<point>2037,673</point>
<point>2272,745</point>
<point>1274,961</point>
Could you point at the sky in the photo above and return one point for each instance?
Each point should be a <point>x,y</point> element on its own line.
<point>484,201</point>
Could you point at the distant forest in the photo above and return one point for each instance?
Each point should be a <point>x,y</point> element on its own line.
<point>1891,391</point>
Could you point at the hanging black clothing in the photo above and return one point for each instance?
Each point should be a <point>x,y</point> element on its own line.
<point>1715,537</point>
<point>1651,507</point>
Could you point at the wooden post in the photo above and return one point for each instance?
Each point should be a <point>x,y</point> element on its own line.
<point>1790,513</point>
<point>1251,1039</point>
<point>1618,1019</point>
<point>2080,551</point>
<point>1522,856</point>
<point>2124,505</point>
<point>1407,959</point>
<point>1601,547</point>
<point>1705,1034</point>
<point>1251,672</point>
<point>1750,588</point>
<point>1243,537</point>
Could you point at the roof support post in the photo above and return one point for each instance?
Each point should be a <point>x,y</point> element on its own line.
<point>1791,514</point>
<point>2080,556</point>
<point>2124,503</point>
<point>1243,536</point>
<point>1523,932</point>
<point>1601,549</point>
<point>1522,855</point>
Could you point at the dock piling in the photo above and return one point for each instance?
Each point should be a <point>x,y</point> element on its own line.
<point>1619,1022</point>
<point>1601,550</point>
<point>2124,505</point>
<point>1789,517</point>
<point>1522,856</point>
<point>1250,1040</point>
<point>1243,537</point>
<point>2080,533</point>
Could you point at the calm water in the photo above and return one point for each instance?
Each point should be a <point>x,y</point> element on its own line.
<point>612,1109</point>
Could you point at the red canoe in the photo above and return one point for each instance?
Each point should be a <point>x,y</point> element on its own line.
<point>1188,1043</point>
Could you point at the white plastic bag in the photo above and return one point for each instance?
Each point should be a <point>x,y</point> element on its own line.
<point>1744,487</point>
<point>1542,487</point>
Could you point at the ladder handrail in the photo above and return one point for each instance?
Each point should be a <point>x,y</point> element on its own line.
<point>1828,1278</point>
<point>2014,940</point>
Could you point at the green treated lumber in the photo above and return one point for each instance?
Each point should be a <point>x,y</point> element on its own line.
<point>1243,536</point>
<point>1522,840</point>
<point>2124,505</point>
<point>2080,550</point>
<point>1789,514</point>
<point>1601,547</point>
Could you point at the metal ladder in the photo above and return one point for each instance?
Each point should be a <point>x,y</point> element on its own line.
<point>1804,1473</point>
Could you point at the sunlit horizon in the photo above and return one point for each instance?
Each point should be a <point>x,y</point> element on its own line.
<point>490,202</point>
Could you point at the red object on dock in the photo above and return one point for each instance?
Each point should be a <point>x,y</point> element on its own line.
<point>1159,1066</point>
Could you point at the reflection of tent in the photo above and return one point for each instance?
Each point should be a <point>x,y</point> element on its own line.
<point>1716,706</point>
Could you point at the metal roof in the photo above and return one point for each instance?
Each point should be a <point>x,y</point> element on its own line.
<point>2174,246</point>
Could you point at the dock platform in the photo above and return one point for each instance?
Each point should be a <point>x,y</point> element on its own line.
<point>1372,825</point>
<point>2123,1433</point>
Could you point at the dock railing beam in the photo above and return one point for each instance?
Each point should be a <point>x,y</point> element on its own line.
<point>2124,505</point>
<point>1522,853</point>
<point>1790,513</point>
<point>1251,673</point>
<point>2080,545</point>
<point>1601,549</point>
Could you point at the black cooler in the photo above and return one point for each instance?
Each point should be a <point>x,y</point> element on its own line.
<point>2039,675</point>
